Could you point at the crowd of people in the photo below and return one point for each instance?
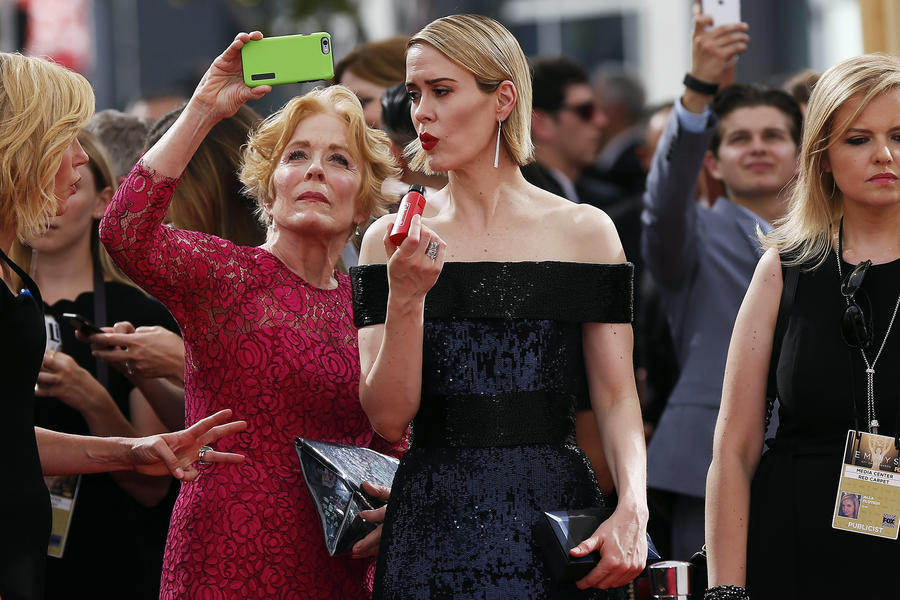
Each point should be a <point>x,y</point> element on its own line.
<point>681,312</point>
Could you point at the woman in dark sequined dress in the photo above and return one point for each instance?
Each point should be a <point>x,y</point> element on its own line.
<point>528,307</point>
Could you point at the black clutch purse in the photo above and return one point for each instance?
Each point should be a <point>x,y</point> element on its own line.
<point>334,474</point>
<point>559,531</point>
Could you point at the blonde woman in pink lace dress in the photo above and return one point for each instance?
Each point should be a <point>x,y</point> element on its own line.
<point>267,330</point>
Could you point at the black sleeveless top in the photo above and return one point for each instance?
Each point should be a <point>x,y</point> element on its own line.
<point>822,394</point>
<point>25,502</point>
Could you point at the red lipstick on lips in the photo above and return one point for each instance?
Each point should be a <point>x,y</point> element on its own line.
<point>428,141</point>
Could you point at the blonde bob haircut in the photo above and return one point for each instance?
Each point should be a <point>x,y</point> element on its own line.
<point>370,148</point>
<point>489,51</point>
<point>101,169</point>
<point>42,107</point>
<point>804,235</point>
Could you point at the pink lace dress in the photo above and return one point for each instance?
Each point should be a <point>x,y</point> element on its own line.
<point>281,353</point>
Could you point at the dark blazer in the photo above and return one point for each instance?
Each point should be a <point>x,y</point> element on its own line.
<point>703,260</point>
<point>625,170</point>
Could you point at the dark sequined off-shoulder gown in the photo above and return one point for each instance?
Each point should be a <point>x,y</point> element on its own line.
<point>493,441</point>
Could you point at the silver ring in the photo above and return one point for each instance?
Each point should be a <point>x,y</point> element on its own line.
<point>128,368</point>
<point>201,454</point>
<point>432,250</point>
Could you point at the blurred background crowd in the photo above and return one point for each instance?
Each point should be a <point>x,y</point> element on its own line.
<point>606,74</point>
<point>126,48</point>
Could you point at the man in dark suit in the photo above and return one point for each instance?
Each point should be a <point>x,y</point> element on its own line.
<point>620,96</point>
<point>566,126</point>
<point>703,258</point>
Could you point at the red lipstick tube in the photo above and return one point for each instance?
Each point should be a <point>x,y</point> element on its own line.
<point>413,203</point>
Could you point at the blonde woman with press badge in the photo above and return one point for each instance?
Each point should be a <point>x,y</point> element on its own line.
<point>775,527</point>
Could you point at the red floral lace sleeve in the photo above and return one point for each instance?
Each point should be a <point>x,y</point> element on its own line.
<point>182,269</point>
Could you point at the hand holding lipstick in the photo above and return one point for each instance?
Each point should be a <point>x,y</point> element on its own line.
<point>413,204</point>
<point>415,264</point>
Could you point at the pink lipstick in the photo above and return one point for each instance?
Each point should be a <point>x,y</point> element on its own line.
<point>883,178</point>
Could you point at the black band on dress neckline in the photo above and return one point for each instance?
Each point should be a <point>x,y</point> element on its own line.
<point>559,291</point>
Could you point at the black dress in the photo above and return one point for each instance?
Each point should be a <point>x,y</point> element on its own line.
<point>24,500</point>
<point>493,441</point>
<point>793,550</point>
<point>115,545</point>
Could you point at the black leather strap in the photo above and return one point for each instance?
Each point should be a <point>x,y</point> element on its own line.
<point>102,368</point>
<point>700,86</point>
<point>789,276</point>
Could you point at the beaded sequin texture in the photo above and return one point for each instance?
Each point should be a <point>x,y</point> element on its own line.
<point>492,442</point>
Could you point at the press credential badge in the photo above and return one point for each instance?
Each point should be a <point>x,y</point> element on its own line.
<point>868,495</point>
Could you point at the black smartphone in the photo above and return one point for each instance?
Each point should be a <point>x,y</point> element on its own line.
<point>81,324</point>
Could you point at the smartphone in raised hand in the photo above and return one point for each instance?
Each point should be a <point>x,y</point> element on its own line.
<point>723,12</point>
<point>288,59</point>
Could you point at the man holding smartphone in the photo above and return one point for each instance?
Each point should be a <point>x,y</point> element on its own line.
<point>703,258</point>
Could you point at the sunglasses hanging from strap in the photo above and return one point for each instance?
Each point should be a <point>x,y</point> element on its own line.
<point>859,330</point>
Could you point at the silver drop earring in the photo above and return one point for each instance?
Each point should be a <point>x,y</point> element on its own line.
<point>497,151</point>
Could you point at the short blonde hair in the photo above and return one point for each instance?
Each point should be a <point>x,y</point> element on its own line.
<point>102,172</point>
<point>489,51</point>
<point>816,206</point>
<point>370,148</point>
<point>42,107</point>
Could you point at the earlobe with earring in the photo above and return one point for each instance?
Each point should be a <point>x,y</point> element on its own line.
<point>497,150</point>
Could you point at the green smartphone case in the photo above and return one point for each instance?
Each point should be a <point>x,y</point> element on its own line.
<point>288,59</point>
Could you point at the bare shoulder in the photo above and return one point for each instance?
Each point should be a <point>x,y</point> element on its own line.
<point>767,276</point>
<point>769,266</point>
<point>588,233</point>
<point>764,294</point>
<point>372,250</point>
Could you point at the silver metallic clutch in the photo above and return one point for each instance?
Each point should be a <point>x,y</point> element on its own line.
<point>334,474</point>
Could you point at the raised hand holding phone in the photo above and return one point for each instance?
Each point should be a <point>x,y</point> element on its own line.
<point>723,12</point>
<point>221,89</point>
<point>220,92</point>
<point>714,54</point>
